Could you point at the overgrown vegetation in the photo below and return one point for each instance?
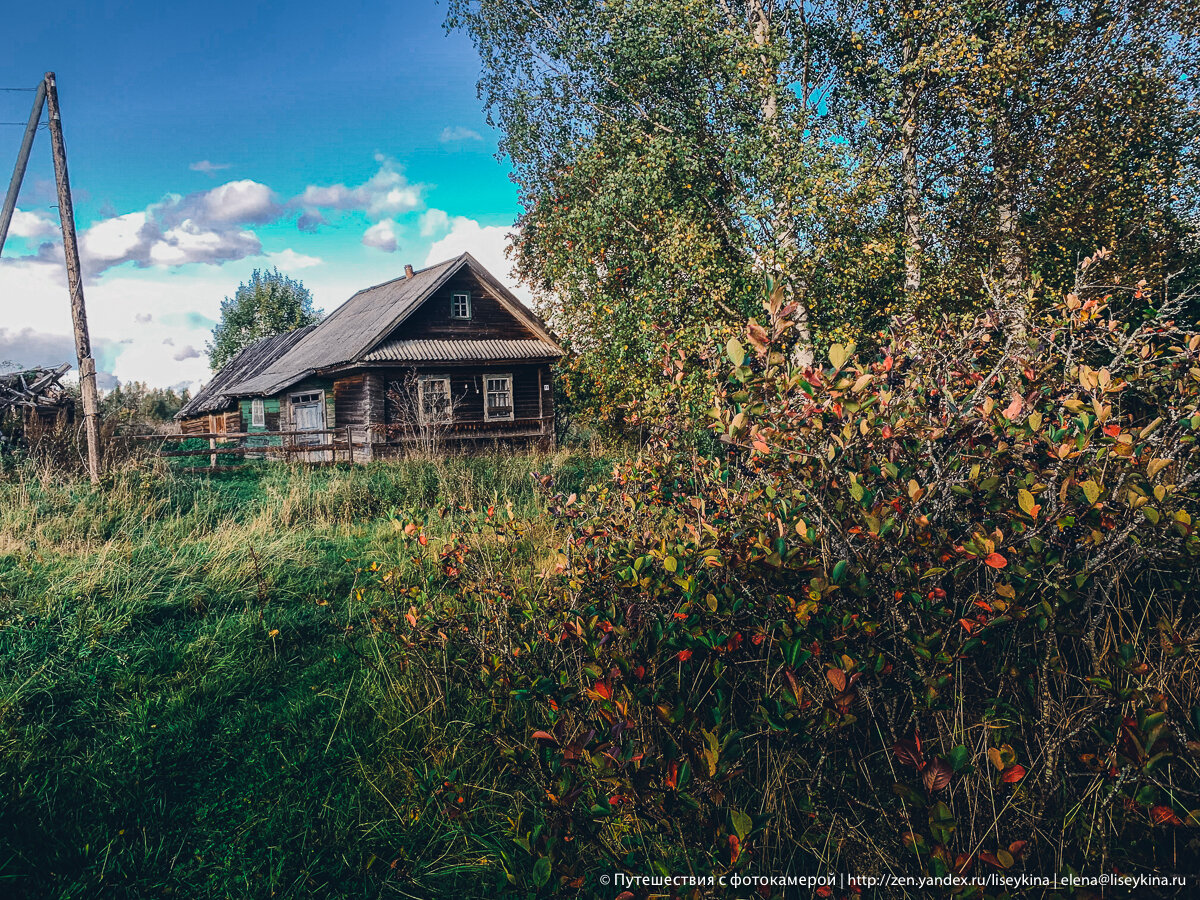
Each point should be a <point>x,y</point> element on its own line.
<point>192,702</point>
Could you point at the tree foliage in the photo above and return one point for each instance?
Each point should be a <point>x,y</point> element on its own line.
<point>871,159</point>
<point>269,303</point>
<point>135,402</point>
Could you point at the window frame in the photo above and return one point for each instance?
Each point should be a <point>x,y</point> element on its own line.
<point>512,399</point>
<point>422,382</point>
<point>258,413</point>
<point>454,298</point>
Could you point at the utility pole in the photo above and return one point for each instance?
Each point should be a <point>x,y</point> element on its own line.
<point>14,186</point>
<point>83,343</point>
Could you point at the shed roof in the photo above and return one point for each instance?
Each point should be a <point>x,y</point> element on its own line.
<point>248,362</point>
<point>460,351</point>
<point>367,319</point>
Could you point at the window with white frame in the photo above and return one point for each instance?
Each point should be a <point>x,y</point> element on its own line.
<point>460,306</point>
<point>497,398</point>
<point>434,400</point>
<point>258,415</point>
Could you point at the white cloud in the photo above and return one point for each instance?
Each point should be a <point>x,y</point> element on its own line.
<point>290,259</point>
<point>188,352</point>
<point>113,241</point>
<point>192,242</point>
<point>434,221</point>
<point>32,225</point>
<point>205,227</point>
<point>239,201</point>
<point>459,133</point>
<point>382,236</point>
<point>487,243</point>
<point>209,168</point>
<point>386,193</point>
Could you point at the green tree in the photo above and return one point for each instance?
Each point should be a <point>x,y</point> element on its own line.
<point>1021,135</point>
<point>669,155</point>
<point>269,303</point>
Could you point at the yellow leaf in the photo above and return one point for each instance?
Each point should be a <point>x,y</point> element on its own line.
<point>839,353</point>
<point>1091,490</point>
<point>1156,465</point>
<point>1027,503</point>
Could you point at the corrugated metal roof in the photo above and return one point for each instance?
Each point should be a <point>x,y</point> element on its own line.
<point>248,362</point>
<point>369,317</point>
<point>461,351</point>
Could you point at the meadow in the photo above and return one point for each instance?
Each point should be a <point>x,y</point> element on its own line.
<point>193,701</point>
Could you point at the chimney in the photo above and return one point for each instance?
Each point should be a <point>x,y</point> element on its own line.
<point>408,271</point>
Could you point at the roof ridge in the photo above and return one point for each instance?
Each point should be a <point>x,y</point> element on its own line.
<point>404,277</point>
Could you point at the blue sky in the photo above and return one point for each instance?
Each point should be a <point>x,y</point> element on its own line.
<point>338,141</point>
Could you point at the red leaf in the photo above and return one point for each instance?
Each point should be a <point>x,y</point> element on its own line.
<point>1014,408</point>
<point>1013,774</point>
<point>604,689</point>
<point>683,655</point>
<point>908,753</point>
<point>1112,430</point>
<point>837,678</point>
<point>967,625</point>
<point>995,560</point>
<point>1164,815</point>
<point>936,775</point>
<point>672,774</point>
<point>544,736</point>
<point>422,540</point>
<point>735,849</point>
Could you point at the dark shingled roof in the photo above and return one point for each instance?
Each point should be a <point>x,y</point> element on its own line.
<point>461,351</point>
<point>250,361</point>
<point>368,318</point>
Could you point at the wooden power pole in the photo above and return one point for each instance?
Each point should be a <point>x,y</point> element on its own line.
<point>14,186</point>
<point>83,343</point>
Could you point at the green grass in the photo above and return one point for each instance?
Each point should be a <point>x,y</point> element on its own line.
<point>186,708</point>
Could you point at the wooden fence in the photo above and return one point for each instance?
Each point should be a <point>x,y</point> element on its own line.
<point>349,443</point>
<point>260,443</point>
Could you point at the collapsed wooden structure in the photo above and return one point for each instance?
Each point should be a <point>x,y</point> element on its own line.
<point>36,397</point>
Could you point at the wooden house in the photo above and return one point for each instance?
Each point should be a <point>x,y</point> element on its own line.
<point>442,355</point>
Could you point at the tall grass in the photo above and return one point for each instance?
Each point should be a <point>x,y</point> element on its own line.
<point>186,708</point>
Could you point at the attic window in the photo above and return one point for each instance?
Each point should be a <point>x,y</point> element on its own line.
<point>258,416</point>
<point>460,306</point>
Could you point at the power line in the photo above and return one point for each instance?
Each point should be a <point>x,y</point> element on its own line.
<point>29,90</point>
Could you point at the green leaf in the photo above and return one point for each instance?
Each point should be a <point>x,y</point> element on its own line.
<point>839,571</point>
<point>541,871</point>
<point>959,757</point>
<point>671,564</point>
<point>735,351</point>
<point>742,823</point>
